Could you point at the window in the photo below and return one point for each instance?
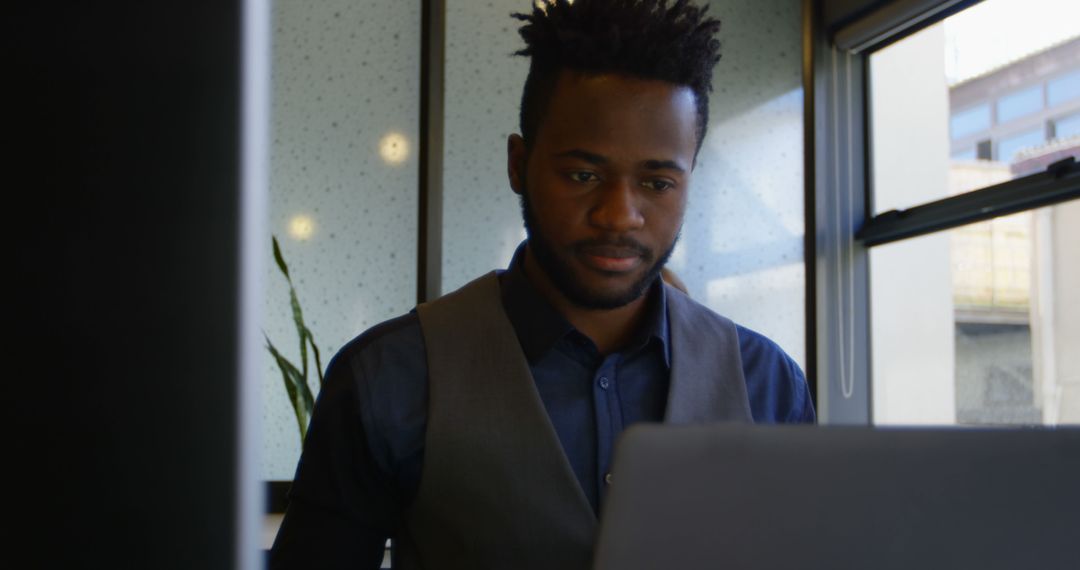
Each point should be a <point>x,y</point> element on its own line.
<point>1064,88</point>
<point>968,154</point>
<point>969,265</point>
<point>1023,102</point>
<point>1067,127</point>
<point>970,121</point>
<point>1009,146</point>
<point>990,309</point>
<point>981,151</point>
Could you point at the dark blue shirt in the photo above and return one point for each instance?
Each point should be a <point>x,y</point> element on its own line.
<point>363,454</point>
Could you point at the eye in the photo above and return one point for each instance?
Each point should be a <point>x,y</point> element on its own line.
<point>658,185</point>
<point>583,176</point>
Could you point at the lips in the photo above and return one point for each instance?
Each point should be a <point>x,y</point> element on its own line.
<point>611,258</point>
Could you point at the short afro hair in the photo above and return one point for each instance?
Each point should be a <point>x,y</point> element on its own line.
<point>647,39</point>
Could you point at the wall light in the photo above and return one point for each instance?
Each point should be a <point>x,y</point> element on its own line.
<point>301,227</point>
<point>394,148</point>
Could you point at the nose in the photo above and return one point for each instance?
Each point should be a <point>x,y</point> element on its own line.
<point>616,208</point>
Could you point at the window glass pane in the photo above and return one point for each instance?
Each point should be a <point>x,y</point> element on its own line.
<point>970,121</point>
<point>1008,147</point>
<point>1064,88</point>
<point>1067,127</point>
<point>910,148</point>
<point>968,154</point>
<point>975,325</point>
<point>933,96</point>
<point>1023,102</point>
<point>992,312</point>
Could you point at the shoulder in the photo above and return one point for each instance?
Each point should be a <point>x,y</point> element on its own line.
<point>753,346</point>
<point>362,447</point>
<point>775,383</point>
<point>384,369</point>
<point>685,308</point>
<point>385,372</point>
<point>381,378</point>
<point>757,347</point>
<point>394,342</point>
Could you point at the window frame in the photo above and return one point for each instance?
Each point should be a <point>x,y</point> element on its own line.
<point>845,227</point>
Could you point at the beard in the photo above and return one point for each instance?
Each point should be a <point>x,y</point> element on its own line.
<point>562,274</point>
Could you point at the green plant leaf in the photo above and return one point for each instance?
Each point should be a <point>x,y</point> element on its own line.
<point>304,397</point>
<point>301,328</point>
<point>318,361</point>
<point>279,259</point>
<point>301,419</point>
<point>295,385</point>
<point>295,379</point>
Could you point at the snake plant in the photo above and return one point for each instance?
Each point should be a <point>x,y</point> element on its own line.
<point>296,378</point>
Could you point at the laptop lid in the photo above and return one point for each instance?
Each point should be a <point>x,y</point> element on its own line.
<point>734,496</point>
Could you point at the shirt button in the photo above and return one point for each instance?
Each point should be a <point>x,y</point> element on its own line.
<point>604,382</point>
<point>607,478</point>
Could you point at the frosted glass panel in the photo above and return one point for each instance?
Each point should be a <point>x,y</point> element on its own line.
<point>481,218</point>
<point>741,250</point>
<point>343,185</point>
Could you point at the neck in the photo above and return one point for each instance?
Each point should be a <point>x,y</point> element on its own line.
<point>609,329</point>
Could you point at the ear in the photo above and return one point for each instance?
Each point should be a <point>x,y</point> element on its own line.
<point>515,162</point>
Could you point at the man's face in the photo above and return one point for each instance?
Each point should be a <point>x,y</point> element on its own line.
<point>604,184</point>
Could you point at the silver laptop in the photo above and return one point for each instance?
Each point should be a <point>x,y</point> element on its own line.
<point>751,497</point>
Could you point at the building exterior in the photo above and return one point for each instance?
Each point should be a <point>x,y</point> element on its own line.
<point>1012,287</point>
<point>990,307</point>
<point>1025,103</point>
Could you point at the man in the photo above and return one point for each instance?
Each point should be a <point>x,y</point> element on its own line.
<point>478,430</point>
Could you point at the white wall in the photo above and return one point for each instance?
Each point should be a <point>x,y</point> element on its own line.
<point>912,344</point>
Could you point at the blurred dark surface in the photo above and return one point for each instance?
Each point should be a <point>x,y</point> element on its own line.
<point>124,216</point>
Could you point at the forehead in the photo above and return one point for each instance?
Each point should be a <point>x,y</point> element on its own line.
<point>620,113</point>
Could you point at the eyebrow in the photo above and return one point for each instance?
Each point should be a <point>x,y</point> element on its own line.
<point>598,160</point>
<point>663,165</point>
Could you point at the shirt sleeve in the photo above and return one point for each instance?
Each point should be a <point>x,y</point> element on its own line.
<point>801,410</point>
<point>342,505</point>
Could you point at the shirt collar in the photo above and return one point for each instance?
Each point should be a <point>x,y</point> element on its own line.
<point>539,326</point>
